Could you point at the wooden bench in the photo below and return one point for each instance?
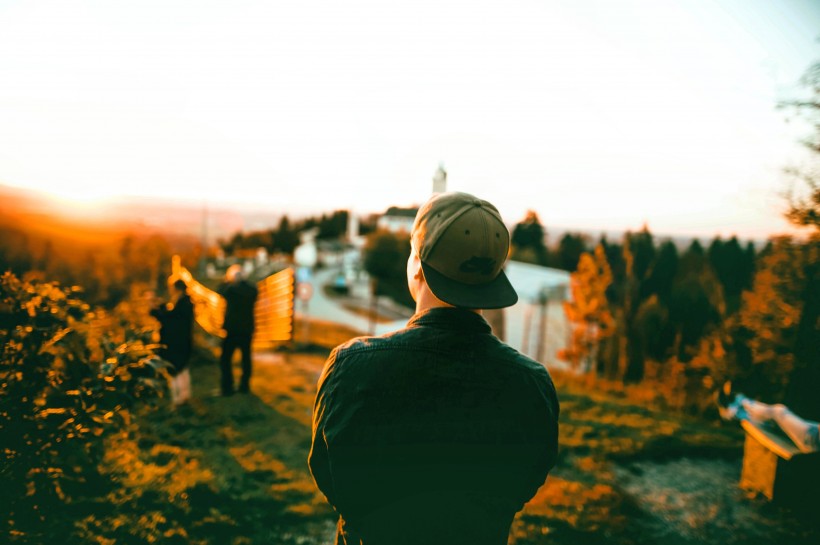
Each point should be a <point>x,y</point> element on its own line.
<point>775,467</point>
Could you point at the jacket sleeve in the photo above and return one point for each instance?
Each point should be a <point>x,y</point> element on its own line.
<point>318,459</point>
<point>543,431</point>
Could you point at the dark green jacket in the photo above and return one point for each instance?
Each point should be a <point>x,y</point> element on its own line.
<point>176,332</point>
<point>437,433</point>
<point>240,298</point>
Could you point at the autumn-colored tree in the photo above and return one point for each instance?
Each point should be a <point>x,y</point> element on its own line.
<point>588,309</point>
<point>769,319</point>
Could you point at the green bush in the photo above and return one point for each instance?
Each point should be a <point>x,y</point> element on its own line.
<point>385,260</point>
<point>64,386</point>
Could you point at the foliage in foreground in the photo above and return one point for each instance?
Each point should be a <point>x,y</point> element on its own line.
<point>69,378</point>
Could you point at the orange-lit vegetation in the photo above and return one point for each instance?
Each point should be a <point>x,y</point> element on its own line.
<point>69,378</point>
<point>106,259</point>
<point>233,470</point>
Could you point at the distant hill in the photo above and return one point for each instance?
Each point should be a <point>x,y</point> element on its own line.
<point>53,217</point>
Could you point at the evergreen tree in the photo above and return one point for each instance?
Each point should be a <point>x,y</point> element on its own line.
<point>653,329</point>
<point>638,253</point>
<point>333,226</point>
<point>285,239</point>
<point>642,248</point>
<point>570,248</point>
<point>729,262</point>
<point>385,259</point>
<point>662,274</point>
<point>528,240</point>
<point>696,307</point>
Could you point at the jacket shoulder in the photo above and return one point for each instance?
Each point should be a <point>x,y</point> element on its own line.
<point>366,347</point>
<point>528,363</point>
<point>357,344</point>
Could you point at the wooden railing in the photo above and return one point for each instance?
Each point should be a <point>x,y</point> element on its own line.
<point>273,312</point>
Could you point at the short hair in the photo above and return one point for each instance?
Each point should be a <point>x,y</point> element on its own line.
<point>234,273</point>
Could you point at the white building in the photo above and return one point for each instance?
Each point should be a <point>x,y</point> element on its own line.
<point>537,325</point>
<point>398,220</point>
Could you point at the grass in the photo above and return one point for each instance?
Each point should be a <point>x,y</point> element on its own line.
<point>233,471</point>
<point>583,499</point>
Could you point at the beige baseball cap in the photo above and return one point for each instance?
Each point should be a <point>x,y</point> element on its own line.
<point>463,244</point>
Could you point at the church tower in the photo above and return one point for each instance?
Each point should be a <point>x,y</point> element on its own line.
<point>440,180</point>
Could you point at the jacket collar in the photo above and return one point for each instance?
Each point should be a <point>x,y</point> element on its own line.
<point>450,318</point>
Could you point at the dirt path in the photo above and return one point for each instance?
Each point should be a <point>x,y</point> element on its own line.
<point>697,500</point>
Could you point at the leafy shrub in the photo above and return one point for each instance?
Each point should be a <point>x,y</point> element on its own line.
<point>65,385</point>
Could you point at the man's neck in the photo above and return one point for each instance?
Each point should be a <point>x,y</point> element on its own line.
<point>426,303</point>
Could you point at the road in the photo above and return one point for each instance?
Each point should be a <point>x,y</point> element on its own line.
<point>327,308</point>
<point>527,325</point>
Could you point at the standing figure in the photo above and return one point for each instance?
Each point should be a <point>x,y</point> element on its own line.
<point>240,297</point>
<point>176,320</point>
<point>438,433</point>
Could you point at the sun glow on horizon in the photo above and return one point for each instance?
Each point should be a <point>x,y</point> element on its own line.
<point>76,202</point>
<point>577,109</point>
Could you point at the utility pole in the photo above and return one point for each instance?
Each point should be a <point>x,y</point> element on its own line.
<point>543,301</point>
<point>203,258</point>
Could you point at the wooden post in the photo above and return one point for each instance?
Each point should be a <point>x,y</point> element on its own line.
<point>774,467</point>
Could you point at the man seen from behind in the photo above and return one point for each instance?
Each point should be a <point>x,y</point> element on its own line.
<point>438,433</point>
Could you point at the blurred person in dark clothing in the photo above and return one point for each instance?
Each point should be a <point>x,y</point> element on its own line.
<point>240,297</point>
<point>176,320</point>
<point>437,433</point>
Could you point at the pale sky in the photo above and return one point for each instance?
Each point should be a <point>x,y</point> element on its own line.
<point>599,115</point>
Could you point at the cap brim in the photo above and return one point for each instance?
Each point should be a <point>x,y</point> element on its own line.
<point>498,293</point>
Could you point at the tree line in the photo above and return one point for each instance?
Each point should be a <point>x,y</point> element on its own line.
<point>644,311</point>
<point>284,238</point>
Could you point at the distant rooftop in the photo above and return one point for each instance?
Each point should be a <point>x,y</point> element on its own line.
<point>397,211</point>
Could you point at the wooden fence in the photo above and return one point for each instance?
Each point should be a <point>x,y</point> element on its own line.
<point>273,312</point>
